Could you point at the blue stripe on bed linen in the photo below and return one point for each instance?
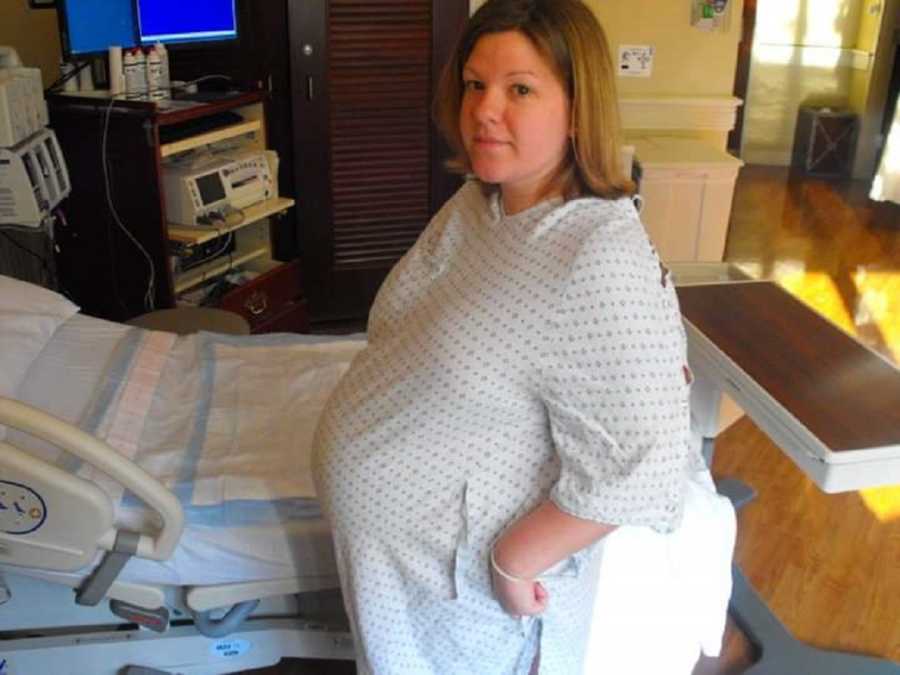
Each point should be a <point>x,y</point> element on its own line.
<point>110,382</point>
<point>253,511</point>
<point>183,487</point>
<point>184,484</point>
<point>245,512</point>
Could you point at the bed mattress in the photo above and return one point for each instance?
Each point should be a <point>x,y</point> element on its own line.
<point>235,541</point>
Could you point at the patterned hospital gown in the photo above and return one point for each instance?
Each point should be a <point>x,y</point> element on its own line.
<point>510,358</point>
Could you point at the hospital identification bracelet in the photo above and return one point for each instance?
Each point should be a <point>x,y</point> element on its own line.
<point>506,575</point>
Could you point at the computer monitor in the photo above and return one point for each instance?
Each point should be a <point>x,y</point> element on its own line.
<point>178,21</point>
<point>90,27</point>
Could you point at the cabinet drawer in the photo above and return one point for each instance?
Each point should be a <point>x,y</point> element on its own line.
<point>293,318</point>
<point>266,297</point>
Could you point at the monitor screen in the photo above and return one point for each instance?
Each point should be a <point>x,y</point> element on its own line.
<point>92,26</point>
<point>211,188</point>
<point>180,21</point>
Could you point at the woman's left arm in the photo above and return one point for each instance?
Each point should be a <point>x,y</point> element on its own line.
<point>533,544</point>
<point>542,538</point>
<point>612,382</point>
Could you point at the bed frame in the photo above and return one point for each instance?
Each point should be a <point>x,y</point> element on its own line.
<point>53,521</point>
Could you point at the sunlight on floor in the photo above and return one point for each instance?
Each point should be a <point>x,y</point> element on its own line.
<point>873,316</point>
<point>883,502</point>
<point>817,290</point>
<point>879,305</point>
<point>876,311</point>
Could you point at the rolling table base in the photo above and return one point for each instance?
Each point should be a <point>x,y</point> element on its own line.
<point>780,652</point>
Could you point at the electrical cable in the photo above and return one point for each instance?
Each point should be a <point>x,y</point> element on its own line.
<point>68,76</point>
<point>182,87</point>
<point>149,296</point>
<point>229,236</point>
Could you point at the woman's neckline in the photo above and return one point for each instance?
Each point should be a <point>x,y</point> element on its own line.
<point>544,205</point>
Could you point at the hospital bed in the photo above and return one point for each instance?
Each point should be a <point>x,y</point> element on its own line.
<point>93,546</point>
<point>158,514</point>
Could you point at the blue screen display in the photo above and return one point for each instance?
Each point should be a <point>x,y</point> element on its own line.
<point>95,25</point>
<point>181,21</point>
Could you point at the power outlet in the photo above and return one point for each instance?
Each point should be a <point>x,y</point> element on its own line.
<point>635,60</point>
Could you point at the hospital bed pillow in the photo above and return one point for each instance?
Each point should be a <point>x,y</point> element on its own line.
<point>29,316</point>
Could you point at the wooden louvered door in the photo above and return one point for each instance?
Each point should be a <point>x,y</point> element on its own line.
<point>367,158</point>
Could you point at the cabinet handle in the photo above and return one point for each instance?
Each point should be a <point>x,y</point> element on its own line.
<point>310,90</point>
<point>257,303</point>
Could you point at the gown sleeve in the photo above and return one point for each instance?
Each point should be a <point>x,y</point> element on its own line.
<point>615,385</point>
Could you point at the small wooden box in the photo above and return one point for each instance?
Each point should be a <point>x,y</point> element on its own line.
<point>825,141</point>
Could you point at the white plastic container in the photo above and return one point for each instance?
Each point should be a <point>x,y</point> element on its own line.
<point>135,74</point>
<point>154,75</point>
<point>128,72</point>
<point>116,74</point>
<point>165,76</point>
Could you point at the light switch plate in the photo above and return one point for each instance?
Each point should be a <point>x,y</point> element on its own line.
<point>635,60</point>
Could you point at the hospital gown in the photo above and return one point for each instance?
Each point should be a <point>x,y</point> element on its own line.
<point>510,358</point>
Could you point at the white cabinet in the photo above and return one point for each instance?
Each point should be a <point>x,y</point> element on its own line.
<point>687,189</point>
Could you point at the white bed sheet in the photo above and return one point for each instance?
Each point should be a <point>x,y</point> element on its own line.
<point>62,380</point>
<point>29,316</point>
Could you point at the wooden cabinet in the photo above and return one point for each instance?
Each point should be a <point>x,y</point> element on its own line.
<point>350,85</point>
<point>686,189</point>
<point>274,299</point>
<point>119,257</point>
<point>366,151</point>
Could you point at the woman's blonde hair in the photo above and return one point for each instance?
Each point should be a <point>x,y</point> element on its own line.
<point>568,36</point>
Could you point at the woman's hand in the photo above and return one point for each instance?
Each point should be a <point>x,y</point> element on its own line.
<point>531,546</point>
<point>521,597</point>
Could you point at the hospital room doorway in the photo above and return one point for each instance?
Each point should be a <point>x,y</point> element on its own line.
<point>893,90</point>
<point>742,74</point>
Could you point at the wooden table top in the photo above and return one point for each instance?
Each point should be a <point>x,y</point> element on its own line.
<point>845,394</point>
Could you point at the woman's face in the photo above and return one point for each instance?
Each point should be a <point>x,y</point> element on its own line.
<point>515,117</point>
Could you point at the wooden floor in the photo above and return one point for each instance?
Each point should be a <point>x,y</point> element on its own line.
<point>828,565</point>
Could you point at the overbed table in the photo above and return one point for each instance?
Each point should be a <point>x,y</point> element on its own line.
<point>829,403</point>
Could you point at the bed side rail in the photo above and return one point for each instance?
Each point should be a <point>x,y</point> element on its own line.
<point>100,455</point>
<point>49,518</point>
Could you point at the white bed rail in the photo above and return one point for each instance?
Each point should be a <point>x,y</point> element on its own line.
<point>103,457</point>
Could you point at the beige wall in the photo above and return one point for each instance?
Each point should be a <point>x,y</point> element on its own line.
<point>688,61</point>
<point>808,52</point>
<point>35,35</point>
